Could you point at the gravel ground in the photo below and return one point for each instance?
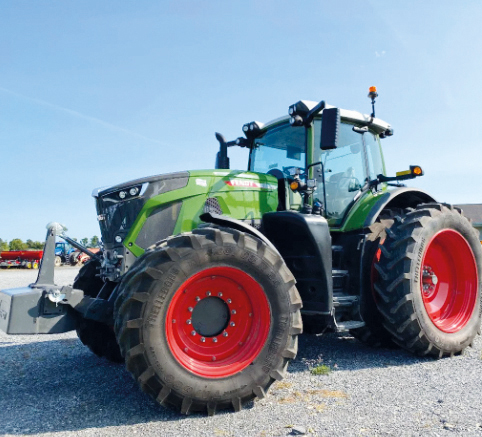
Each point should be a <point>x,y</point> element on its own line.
<point>53,385</point>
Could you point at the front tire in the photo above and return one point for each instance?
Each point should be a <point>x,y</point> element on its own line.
<point>208,320</point>
<point>430,281</point>
<point>99,338</point>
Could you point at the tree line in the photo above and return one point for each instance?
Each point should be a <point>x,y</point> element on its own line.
<point>18,244</point>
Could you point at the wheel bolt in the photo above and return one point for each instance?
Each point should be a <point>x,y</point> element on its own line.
<point>198,298</point>
<point>193,333</point>
<point>208,293</point>
<point>225,334</point>
<point>233,311</point>
<point>228,301</point>
<point>188,321</point>
<point>215,340</point>
<point>232,324</point>
<point>203,339</point>
<point>190,309</point>
<point>220,294</point>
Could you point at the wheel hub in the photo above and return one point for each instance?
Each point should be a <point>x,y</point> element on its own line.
<point>210,316</point>
<point>429,280</point>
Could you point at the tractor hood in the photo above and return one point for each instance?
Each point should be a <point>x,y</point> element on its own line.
<point>138,213</point>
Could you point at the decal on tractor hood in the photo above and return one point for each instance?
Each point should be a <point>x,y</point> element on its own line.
<point>248,184</point>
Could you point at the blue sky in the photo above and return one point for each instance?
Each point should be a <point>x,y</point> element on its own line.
<point>96,93</point>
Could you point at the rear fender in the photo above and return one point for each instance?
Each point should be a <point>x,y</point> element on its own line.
<point>400,198</point>
<point>366,210</point>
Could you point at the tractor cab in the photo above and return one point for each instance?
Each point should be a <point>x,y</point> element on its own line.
<point>339,175</point>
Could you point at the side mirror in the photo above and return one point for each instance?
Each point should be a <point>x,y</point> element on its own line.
<point>330,128</point>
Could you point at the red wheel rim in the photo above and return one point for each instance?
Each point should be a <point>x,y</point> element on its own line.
<point>449,281</point>
<point>221,299</point>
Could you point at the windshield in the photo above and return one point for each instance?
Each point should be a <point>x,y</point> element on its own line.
<point>347,168</point>
<point>281,148</point>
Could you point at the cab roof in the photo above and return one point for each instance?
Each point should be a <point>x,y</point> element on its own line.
<point>346,115</point>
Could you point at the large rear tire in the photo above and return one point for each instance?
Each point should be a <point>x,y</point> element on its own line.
<point>99,338</point>
<point>374,334</point>
<point>208,320</point>
<point>429,285</point>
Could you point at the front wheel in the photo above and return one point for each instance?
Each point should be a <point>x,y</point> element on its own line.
<point>429,285</point>
<point>208,320</point>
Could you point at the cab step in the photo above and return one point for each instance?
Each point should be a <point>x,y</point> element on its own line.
<point>349,324</point>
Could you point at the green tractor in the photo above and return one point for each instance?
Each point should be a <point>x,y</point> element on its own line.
<point>207,277</point>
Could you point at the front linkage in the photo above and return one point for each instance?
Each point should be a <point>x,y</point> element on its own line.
<point>51,309</point>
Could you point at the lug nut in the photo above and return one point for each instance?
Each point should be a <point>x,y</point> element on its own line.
<point>173,320</point>
<point>232,324</point>
<point>208,293</point>
<point>193,333</point>
<point>188,321</point>
<point>215,340</point>
<point>229,301</point>
<point>233,311</point>
<point>203,339</point>
<point>186,349</point>
<point>190,309</point>
<point>225,334</point>
<point>220,294</point>
<point>214,358</point>
<point>198,298</point>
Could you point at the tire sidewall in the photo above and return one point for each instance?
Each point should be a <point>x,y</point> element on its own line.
<point>463,337</point>
<point>153,332</point>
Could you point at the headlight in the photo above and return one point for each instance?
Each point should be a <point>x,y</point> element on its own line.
<point>122,194</point>
<point>133,191</point>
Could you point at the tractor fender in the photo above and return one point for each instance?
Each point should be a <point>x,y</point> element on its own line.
<point>228,222</point>
<point>404,197</point>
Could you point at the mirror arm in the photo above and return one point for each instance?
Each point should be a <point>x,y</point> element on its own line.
<point>311,114</point>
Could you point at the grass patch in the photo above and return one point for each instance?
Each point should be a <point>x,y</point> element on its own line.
<point>321,370</point>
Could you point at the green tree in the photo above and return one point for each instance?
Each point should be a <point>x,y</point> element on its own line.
<point>18,244</point>
<point>94,241</point>
<point>84,241</point>
<point>3,245</point>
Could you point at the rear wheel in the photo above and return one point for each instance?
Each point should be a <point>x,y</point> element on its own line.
<point>208,320</point>
<point>429,281</point>
<point>99,338</point>
<point>58,261</point>
<point>374,333</point>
